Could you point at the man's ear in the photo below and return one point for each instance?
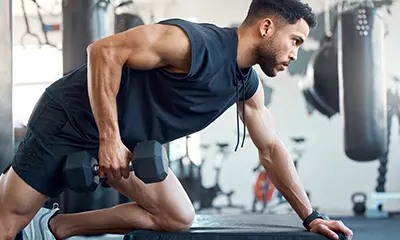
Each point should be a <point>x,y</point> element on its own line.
<point>266,27</point>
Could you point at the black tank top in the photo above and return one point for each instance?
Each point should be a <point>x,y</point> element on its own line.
<point>163,106</point>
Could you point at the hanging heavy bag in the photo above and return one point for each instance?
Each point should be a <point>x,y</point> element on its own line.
<point>362,82</point>
<point>126,21</point>
<point>320,86</point>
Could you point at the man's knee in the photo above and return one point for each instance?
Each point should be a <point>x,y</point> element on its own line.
<point>182,221</point>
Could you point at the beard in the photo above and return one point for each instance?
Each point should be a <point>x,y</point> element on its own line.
<point>267,58</point>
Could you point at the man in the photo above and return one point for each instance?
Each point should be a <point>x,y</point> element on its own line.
<point>160,81</point>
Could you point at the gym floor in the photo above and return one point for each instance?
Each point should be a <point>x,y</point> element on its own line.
<point>368,229</point>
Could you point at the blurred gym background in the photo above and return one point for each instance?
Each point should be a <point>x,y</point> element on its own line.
<point>49,39</point>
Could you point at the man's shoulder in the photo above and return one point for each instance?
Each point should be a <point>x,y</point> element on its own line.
<point>251,83</point>
<point>212,47</point>
<point>208,28</point>
<point>190,22</point>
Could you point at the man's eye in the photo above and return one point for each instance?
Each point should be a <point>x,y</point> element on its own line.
<point>296,42</point>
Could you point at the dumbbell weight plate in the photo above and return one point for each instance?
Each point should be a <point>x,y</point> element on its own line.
<point>78,172</point>
<point>150,162</point>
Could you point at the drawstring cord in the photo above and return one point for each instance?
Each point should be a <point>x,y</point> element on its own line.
<point>237,116</point>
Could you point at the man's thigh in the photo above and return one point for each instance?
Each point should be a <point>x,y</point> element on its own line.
<point>40,157</point>
<point>166,199</point>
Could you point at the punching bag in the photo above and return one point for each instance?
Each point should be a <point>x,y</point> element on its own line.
<point>362,83</point>
<point>125,21</point>
<point>320,86</point>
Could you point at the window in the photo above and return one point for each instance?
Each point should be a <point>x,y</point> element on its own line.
<point>34,69</point>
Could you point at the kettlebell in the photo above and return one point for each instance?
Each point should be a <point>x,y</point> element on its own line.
<point>359,199</point>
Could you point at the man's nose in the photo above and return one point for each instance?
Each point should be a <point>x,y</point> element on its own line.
<point>293,56</point>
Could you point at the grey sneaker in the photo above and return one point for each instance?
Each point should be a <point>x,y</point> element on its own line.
<point>38,228</point>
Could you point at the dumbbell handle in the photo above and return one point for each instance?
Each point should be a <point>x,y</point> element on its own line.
<point>96,169</point>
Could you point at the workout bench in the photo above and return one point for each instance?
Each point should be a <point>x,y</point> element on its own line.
<point>224,227</point>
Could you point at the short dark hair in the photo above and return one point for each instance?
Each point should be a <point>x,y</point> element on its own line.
<point>290,10</point>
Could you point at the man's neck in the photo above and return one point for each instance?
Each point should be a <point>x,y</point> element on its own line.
<point>246,47</point>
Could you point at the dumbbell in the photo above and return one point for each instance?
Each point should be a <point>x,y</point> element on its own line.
<point>149,161</point>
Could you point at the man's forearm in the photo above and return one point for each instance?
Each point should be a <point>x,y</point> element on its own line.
<point>104,77</point>
<point>283,174</point>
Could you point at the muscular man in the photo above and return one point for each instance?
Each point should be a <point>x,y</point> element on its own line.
<point>160,81</point>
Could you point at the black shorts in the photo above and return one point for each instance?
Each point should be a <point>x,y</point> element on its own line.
<point>49,139</point>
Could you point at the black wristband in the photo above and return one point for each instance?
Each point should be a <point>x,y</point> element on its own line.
<point>314,215</point>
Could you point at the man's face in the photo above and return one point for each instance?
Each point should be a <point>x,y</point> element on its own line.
<point>280,46</point>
